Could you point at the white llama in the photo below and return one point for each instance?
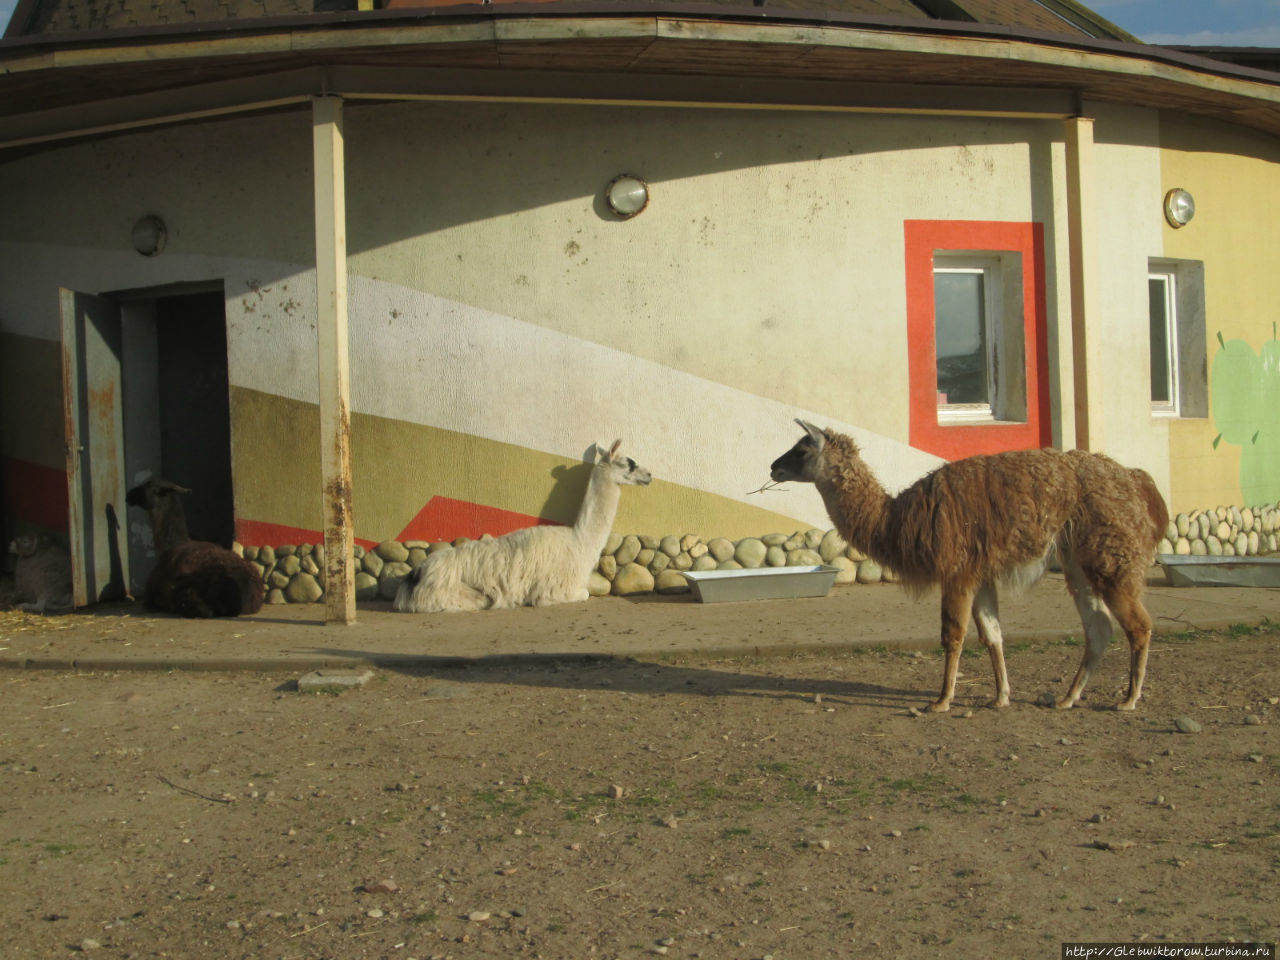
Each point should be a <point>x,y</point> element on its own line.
<point>536,566</point>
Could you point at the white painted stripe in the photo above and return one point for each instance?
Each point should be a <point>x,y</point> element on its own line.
<point>431,361</point>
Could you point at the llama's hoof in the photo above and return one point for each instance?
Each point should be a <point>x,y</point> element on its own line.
<point>1065,703</point>
<point>1127,705</point>
<point>940,706</point>
<point>999,703</point>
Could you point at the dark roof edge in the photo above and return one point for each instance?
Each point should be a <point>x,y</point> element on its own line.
<point>1174,56</point>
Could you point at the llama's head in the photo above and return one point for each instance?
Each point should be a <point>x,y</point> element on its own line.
<point>25,545</point>
<point>152,493</point>
<point>619,469</point>
<point>800,463</point>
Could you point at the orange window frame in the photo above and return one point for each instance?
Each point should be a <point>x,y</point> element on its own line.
<point>955,440</point>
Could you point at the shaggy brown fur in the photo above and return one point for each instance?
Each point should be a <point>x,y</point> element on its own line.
<point>988,520</point>
<point>192,578</point>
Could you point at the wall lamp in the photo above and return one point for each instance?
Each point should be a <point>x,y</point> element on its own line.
<point>626,195</point>
<point>149,235</point>
<point>1179,207</point>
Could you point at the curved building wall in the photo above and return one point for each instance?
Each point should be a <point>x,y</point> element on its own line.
<point>502,320</point>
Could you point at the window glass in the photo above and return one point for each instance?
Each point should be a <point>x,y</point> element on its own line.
<point>1179,364</point>
<point>960,329</point>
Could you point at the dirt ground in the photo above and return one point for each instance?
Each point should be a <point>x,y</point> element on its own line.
<point>741,809</point>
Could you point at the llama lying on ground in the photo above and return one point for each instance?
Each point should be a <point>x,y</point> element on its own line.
<point>42,575</point>
<point>988,520</point>
<point>536,566</point>
<point>192,578</point>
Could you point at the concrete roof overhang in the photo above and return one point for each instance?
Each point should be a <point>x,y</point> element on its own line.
<point>72,86</point>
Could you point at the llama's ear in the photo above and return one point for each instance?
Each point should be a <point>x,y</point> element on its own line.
<point>613,450</point>
<point>817,435</point>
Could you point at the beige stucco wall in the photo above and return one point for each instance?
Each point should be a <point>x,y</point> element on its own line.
<point>496,307</point>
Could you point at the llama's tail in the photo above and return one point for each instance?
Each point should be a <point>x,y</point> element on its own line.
<point>1157,509</point>
<point>404,593</point>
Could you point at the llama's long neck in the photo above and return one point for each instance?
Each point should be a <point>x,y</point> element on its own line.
<point>169,523</point>
<point>599,507</point>
<point>856,502</point>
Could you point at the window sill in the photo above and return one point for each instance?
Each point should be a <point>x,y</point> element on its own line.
<point>973,418</point>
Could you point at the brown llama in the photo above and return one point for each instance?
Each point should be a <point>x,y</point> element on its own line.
<point>994,520</point>
<point>192,578</point>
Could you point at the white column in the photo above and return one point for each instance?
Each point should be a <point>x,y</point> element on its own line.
<point>1082,228</point>
<point>334,369</point>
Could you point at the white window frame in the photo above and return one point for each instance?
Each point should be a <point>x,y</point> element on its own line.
<point>1004,332</point>
<point>1169,278</point>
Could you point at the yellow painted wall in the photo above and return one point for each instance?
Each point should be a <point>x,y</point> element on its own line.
<point>1235,179</point>
<point>397,467</point>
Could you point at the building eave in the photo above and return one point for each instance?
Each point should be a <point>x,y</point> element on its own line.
<point>54,88</point>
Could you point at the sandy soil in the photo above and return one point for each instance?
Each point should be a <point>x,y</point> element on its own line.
<point>787,808</point>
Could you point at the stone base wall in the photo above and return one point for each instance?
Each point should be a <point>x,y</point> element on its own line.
<point>1223,532</point>
<point>634,563</point>
<point>631,563</point>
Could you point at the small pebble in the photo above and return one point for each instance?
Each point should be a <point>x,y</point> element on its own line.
<point>616,791</point>
<point>1186,725</point>
<point>478,916</point>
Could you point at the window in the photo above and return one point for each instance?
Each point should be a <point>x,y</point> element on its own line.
<point>978,342</point>
<point>977,351</point>
<point>1162,312</point>
<point>1179,364</point>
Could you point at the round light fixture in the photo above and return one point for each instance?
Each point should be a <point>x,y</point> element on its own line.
<point>149,235</point>
<point>1179,207</point>
<point>627,195</point>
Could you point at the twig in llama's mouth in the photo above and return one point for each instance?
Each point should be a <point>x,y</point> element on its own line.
<point>767,486</point>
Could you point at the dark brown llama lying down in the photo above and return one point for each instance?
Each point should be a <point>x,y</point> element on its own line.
<point>995,520</point>
<point>192,578</point>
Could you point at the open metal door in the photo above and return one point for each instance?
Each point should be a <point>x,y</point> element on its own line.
<point>92,392</point>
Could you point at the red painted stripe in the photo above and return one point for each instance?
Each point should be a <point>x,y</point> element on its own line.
<point>442,518</point>
<point>447,519</point>
<point>259,533</point>
<point>36,494</point>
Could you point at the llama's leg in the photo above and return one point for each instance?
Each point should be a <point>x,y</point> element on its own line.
<point>986,612</point>
<point>1136,623</point>
<point>955,621</point>
<point>1097,629</point>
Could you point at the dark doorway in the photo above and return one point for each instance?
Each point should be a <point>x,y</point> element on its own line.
<point>194,416</point>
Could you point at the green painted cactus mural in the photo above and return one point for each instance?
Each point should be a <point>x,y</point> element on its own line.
<point>1246,411</point>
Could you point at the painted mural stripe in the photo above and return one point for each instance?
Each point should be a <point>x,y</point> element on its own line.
<point>36,494</point>
<point>261,533</point>
<point>444,518</point>
<point>436,362</point>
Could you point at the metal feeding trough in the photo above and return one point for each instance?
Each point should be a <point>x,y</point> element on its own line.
<point>765,583</point>
<point>1221,571</point>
